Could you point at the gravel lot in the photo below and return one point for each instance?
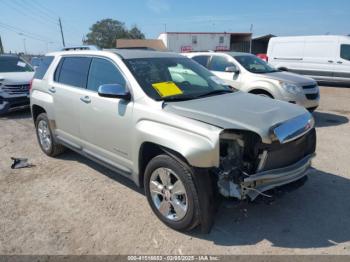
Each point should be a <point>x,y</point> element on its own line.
<point>70,205</point>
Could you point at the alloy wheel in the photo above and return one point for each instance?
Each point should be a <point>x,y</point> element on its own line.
<point>44,135</point>
<point>168,194</point>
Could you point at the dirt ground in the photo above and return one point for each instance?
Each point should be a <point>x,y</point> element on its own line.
<point>70,205</point>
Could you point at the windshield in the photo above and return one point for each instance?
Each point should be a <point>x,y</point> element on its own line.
<point>254,64</point>
<point>10,64</point>
<point>174,78</point>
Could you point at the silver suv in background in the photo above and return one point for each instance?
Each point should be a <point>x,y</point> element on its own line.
<point>172,127</point>
<point>249,73</point>
<point>15,77</point>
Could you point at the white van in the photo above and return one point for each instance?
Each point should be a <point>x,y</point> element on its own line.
<point>324,58</point>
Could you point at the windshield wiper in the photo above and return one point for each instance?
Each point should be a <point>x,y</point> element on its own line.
<point>214,92</point>
<point>267,72</point>
<point>177,98</point>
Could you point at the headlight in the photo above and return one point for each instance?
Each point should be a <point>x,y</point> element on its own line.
<point>291,88</point>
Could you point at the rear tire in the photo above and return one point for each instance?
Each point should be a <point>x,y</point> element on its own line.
<point>176,192</point>
<point>45,137</point>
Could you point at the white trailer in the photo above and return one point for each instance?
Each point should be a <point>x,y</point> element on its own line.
<point>202,41</point>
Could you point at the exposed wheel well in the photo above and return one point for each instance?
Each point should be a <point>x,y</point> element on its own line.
<point>150,150</point>
<point>37,110</point>
<point>260,91</point>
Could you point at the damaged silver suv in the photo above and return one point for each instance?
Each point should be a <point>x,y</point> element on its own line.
<point>171,126</point>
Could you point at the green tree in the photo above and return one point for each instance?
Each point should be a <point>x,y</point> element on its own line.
<point>104,33</point>
<point>135,33</point>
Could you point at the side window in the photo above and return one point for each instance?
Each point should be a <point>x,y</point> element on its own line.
<point>43,66</point>
<point>103,72</point>
<point>345,52</point>
<point>73,71</point>
<point>201,59</point>
<point>219,63</point>
<point>58,71</point>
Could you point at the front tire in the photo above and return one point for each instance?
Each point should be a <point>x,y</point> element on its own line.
<point>45,137</point>
<point>171,192</point>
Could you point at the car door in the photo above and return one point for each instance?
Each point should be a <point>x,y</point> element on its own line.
<point>106,123</point>
<point>342,64</point>
<point>318,59</point>
<point>67,86</point>
<point>219,64</point>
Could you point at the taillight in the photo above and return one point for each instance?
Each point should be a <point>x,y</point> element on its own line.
<point>30,84</point>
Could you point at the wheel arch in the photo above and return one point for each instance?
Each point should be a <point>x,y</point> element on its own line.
<point>36,111</point>
<point>258,91</point>
<point>149,150</point>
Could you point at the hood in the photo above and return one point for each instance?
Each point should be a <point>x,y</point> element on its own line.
<point>290,77</point>
<point>17,78</point>
<point>238,110</point>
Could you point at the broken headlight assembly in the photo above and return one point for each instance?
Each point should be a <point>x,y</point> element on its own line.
<point>239,157</point>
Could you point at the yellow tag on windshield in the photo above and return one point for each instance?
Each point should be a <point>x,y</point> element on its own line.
<point>165,89</point>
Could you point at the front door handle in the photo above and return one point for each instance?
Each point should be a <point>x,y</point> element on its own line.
<point>339,62</point>
<point>85,99</point>
<point>52,90</point>
<point>330,61</point>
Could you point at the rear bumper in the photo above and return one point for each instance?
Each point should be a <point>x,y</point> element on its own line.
<point>267,180</point>
<point>12,102</point>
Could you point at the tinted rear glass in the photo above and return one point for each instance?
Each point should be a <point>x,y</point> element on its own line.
<point>74,71</point>
<point>203,60</point>
<point>219,63</point>
<point>44,64</point>
<point>10,64</point>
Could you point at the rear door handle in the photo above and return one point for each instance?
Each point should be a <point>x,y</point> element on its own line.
<point>52,90</point>
<point>339,62</point>
<point>85,99</point>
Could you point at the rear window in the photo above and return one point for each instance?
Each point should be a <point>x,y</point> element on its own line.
<point>9,64</point>
<point>345,52</point>
<point>219,63</point>
<point>44,64</point>
<point>203,60</point>
<point>73,71</point>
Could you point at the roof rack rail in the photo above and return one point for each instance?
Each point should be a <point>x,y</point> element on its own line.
<point>198,51</point>
<point>81,47</point>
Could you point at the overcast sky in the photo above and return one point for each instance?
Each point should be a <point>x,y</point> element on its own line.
<point>35,22</point>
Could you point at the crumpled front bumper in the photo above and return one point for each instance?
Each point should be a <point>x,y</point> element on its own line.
<point>255,184</point>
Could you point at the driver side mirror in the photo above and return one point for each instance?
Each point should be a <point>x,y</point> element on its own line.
<point>114,91</point>
<point>232,69</point>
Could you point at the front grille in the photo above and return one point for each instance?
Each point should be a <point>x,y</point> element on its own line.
<point>16,89</point>
<point>283,155</point>
<point>312,96</point>
<point>310,86</point>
